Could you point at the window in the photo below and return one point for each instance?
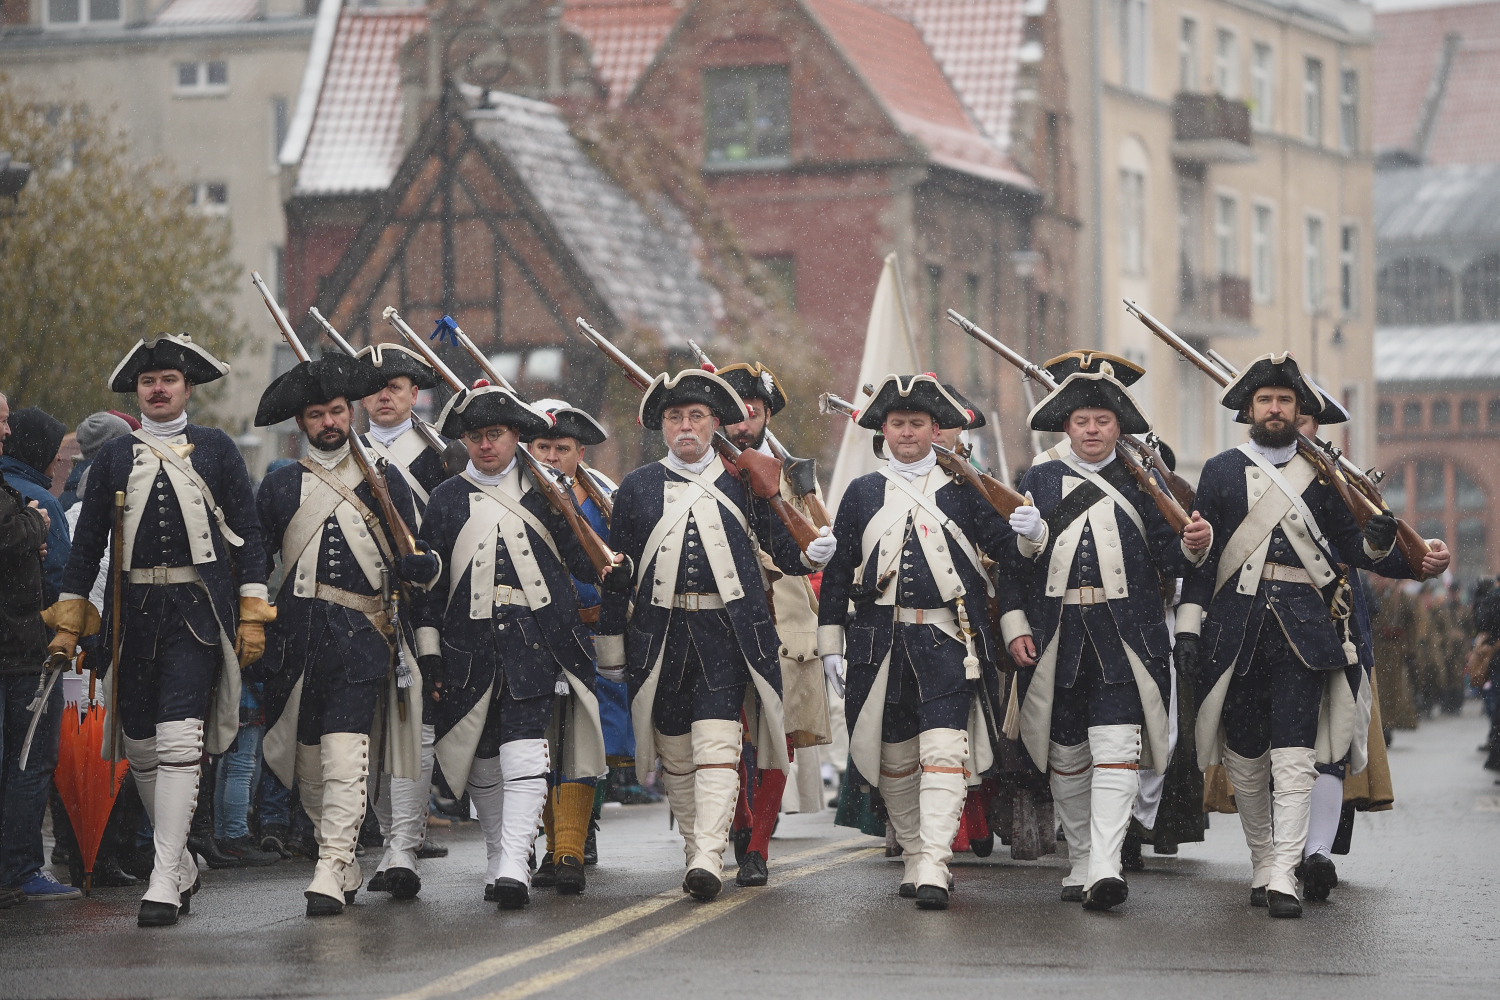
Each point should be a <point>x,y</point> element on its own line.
<point>1312,101</point>
<point>1262,240</point>
<point>1262,85</point>
<point>1132,221</point>
<point>1385,414</point>
<point>1492,413</point>
<point>747,118</point>
<point>1348,270</point>
<point>935,314</point>
<point>1312,265</point>
<point>1431,490</point>
<point>278,129</point>
<point>195,78</point>
<point>1349,111</point>
<point>77,13</point>
<point>783,268</point>
<point>210,198</point>
<point>1133,45</point>
<point>1411,415</point>
<point>1467,494</point>
<point>1414,290</point>
<point>1442,413</point>
<point>544,364</point>
<point>1227,233</point>
<point>1227,63</point>
<point>1480,290</point>
<point>1187,56</point>
<point>1468,413</point>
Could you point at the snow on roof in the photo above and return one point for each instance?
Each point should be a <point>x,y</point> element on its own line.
<point>1458,352</point>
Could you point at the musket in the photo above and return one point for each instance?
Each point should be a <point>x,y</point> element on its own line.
<point>429,436</point>
<point>801,473</point>
<point>1355,488</point>
<point>1140,456</point>
<point>762,472</point>
<point>559,495</point>
<point>595,491</point>
<point>1000,496</point>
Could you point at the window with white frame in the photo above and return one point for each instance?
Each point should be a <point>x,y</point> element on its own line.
<point>1133,28</point>
<point>210,77</point>
<point>1227,63</point>
<point>78,13</point>
<point>1187,55</point>
<point>1312,264</point>
<point>1348,270</point>
<point>1132,221</point>
<point>1262,85</point>
<point>209,197</point>
<point>1312,100</point>
<point>1262,244</point>
<point>1349,111</point>
<point>1227,233</point>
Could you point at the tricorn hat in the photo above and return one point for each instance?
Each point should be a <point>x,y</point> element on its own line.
<point>923,393</point>
<point>1333,411</point>
<point>166,350</point>
<point>486,405</point>
<point>1278,370</point>
<point>1127,373</point>
<point>754,380</point>
<point>392,360</point>
<point>976,418</point>
<point>312,383</point>
<point>1092,388</point>
<point>691,385</point>
<point>570,421</point>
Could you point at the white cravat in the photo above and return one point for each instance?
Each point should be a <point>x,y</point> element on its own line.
<point>329,459</point>
<point>1093,466</point>
<point>387,436</point>
<point>1276,456</point>
<point>484,478</point>
<point>697,468</point>
<point>765,448</point>
<point>164,430</point>
<point>911,471</point>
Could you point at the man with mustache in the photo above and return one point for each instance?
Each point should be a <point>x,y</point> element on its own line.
<point>699,647</point>
<point>334,644</point>
<point>1266,631</point>
<point>194,606</point>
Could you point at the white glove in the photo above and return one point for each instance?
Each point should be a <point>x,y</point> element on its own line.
<point>821,549</point>
<point>1027,521</point>
<point>833,669</point>
<point>617,674</point>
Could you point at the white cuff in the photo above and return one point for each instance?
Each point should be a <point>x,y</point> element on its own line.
<point>616,675</point>
<point>1189,618</point>
<point>255,590</point>
<point>1376,556</point>
<point>1198,558</point>
<point>70,597</point>
<point>830,639</point>
<point>1014,624</point>
<point>1030,549</point>
<point>428,643</point>
<point>609,651</point>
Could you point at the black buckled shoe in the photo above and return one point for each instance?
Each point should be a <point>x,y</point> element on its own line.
<point>489,893</point>
<point>510,894</point>
<point>1258,896</point>
<point>379,883</point>
<point>753,870</point>
<point>249,855</point>
<point>274,837</point>
<point>1072,894</point>
<point>319,905</point>
<point>1283,905</point>
<point>155,914</point>
<point>570,879</point>
<point>545,876</point>
<point>1319,876</point>
<point>982,847</point>
<point>907,890</point>
<point>427,849</point>
<point>702,884</point>
<point>109,875</point>
<point>403,883</point>
<point>1105,893</point>
<point>185,900</point>
<point>932,897</point>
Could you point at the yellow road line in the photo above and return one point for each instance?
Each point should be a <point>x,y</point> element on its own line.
<point>490,967</point>
<point>649,939</point>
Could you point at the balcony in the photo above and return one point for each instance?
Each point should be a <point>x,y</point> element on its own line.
<point>1211,128</point>
<point>1216,305</point>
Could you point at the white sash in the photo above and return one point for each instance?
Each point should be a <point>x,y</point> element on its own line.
<point>401,454</point>
<point>946,522</point>
<point>1292,493</point>
<point>1109,491</point>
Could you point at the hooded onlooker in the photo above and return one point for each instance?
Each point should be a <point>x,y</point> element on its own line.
<point>35,437</point>
<point>96,429</point>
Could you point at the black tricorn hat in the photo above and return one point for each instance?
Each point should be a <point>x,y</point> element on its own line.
<point>166,350</point>
<point>923,393</point>
<point>753,380</point>
<point>392,360</point>
<point>691,385</point>
<point>1333,411</point>
<point>571,422</point>
<point>1278,370</point>
<point>976,418</point>
<point>1127,373</point>
<point>486,405</point>
<point>1093,388</point>
<point>312,383</point>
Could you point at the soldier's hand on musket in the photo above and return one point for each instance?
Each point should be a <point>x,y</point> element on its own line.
<point>419,567</point>
<point>1027,521</point>
<point>1023,650</point>
<point>1380,532</point>
<point>1436,561</point>
<point>1198,535</point>
<point>617,578</point>
<point>821,549</point>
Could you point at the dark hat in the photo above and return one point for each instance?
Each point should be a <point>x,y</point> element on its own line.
<point>1098,387</point>
<point>571,422</point>
<point>913,392</point>
<point>1333,411</point>
<point>312,383</point>
<point>691,385</point>
<point>1278,370</point>
<point>35,437</point>
<point>976,418</point>
<point>167,350</point>
<point>1127,373</point>
<point>392,360</point>
<point>753,380</point>
<point>486,405</point>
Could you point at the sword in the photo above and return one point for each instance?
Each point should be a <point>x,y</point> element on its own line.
<point>52,670</point>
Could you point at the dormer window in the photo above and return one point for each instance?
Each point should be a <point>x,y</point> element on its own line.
<point>747,117</point>
<point>81,13</point>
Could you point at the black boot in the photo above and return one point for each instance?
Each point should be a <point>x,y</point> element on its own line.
<point>569,878</point>
<point>702,885</point>
<point>378,883</point>
<point>591,845</point>
<point>319,905</point>
<point>932,897</point>
<point>109,875</point>
<point>1105,893</point>
<point>156,914</point>
<point>510,894</point>
<point>1319,876</point>
<point>545,876</point>
<point>1130,854</point>
<point>201,833</point>
<point>741,840</point>
<point>1282,905</point>
<point>752,870</point>
<point>403,883</point>
<point>274,837</point>
<point>1258,896</point>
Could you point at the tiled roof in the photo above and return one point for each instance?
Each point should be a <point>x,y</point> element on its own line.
<point>1408,47</point>
<point>355,142</point>
<point>623,37</point>
<point>208,12</point>
<point>1451,353</point>
<point>1456,202</point>
<point>643,265</point>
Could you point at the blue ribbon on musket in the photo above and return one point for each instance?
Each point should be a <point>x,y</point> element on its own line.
<point>446,332</point>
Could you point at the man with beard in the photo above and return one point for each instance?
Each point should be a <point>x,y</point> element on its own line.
<point>334,642</point>
<point>194,606</point>
<point>1266,630</point>
<point>701,647</point>
<point>794,607</point>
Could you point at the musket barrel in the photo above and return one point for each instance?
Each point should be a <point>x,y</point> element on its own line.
<point>394,318</point>
<point>279,318</point>
<point>334,335</point>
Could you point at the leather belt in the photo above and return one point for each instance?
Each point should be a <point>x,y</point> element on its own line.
<point>925,616</point>
<point>1085,595</point>
<point>1286,574</point>
<point>698,602</point>
<point>366,603</point>
<point>589,616</point>
<point>506,594</point>
<point>159,575</point>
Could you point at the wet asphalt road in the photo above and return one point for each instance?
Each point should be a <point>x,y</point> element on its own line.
<point>1416,916</point>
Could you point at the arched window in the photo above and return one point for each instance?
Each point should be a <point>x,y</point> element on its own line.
<point>1414,290</point>
<point>1481,290</point>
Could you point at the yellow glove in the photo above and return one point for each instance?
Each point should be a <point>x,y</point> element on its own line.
<point>250,638</point>
<point>72,619</point>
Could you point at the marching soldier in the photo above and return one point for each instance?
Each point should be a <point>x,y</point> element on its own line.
<point>702,646</point>
<point>794,607</point>
<point>1085,621</point>
<point>919,649</point>
<point>194,602</point>
<point>1266,623</point>
<point>502,632</point>
<point>336,638</point>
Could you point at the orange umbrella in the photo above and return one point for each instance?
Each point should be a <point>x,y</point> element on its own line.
<point>84,782</point>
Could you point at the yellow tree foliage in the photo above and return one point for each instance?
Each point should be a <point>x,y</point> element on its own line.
<point>100,250</point>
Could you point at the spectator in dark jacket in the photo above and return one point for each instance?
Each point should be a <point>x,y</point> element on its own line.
<point>35,437</point>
